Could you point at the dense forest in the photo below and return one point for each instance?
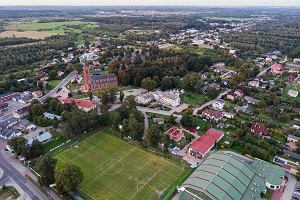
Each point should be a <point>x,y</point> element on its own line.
<point>281,34</point>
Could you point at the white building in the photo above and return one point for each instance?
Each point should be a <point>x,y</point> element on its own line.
<point>293,93</point>
<point>253,83</point>
<point>169,98</point>
<point>218,104</point>
<point>144,98</point>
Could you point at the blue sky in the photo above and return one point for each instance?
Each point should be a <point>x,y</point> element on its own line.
<point>154,2</point>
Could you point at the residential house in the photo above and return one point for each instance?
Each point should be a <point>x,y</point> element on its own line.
<point>82,104</point>
<point>230,97</point>
<point>27,125</point>
<point>43,138</point>
<point>292,77</point>
<point>8,123</point>
<point>239,93</point>
<point>3,107</point>
<point>219,67</point>
<point>8,133</point>
<point>26,98</point>
<point>251,100</point>
<point>175,134</point>
<point>293,93</point>
<point>200,147</point>
<point>22,112</point>
<point>253,83</point>
<point>277,69</point>
<point>51,116</point>
<point>293,138</point>
<point>159,121</point>
<point>211,114</point>
<point>218,104</point>
<point>209,87</point>
<point>259,130</point>
<point>228,115</point>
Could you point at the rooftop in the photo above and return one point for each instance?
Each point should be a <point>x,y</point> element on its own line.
<point>223,176</point>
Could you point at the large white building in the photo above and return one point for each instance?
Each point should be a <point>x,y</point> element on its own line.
<point>169,98</point>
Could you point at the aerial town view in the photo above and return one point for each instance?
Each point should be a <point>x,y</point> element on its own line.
<point>149,100</point>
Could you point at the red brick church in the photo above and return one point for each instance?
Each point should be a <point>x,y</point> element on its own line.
<point>96,82</point>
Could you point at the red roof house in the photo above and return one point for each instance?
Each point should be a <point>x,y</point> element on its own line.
<point>277,69</point>
<point>292,77</point>
<point>239,92</point>
<point>82,104</point>
<point>259,130</point>
<point>174,133</point>
<point>205,143</point>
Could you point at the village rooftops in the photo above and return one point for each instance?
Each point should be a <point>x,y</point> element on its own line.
<point>259,129</point>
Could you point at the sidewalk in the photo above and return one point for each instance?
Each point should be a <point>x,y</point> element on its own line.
<point>26,172</point>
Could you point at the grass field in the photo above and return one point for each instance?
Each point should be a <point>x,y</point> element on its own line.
<point>53,27</point>
<point>53,83</point>
<point>193,98</point>
<point>28,34</point>
<point>115,170</point>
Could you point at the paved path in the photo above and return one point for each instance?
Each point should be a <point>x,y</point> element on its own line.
<point>289,189</point>
<point>146,125</point>
<point>62,84</point>
<point>10,173</point>
<point>196,110</point>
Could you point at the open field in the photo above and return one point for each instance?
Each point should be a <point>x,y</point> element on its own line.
<point>193,98</point>
<point>115,170</point>
<point>53,27</point>
<point>27,34</point>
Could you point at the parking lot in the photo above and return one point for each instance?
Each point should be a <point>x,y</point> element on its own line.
<point>13,106</point>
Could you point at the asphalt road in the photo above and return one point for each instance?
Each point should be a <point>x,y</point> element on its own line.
<point>62,84</point>
<point>9,172</point>
<point>195,111</point>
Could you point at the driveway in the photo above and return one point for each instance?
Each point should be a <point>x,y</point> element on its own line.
<point>290,186</point>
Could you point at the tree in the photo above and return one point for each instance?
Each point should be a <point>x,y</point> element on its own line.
<point>35,149</point>
<point>186,120</point>
<point>18,144</point>
<point>148,83</point>
<point>104,96</point>
<point>45,168</point>
<point>192,82</point>
<point>135,127</point>
<point>122,96</point>
<point>36,108</point>
<point>171,120</point>
<point>153,136</point>
<point>68,176</point>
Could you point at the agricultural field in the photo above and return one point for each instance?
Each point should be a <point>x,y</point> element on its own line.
<point>53,27</point>
<point>27,34</point>
<point>116,170</point>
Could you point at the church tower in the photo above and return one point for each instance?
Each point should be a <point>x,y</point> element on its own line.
<point>86,78</point>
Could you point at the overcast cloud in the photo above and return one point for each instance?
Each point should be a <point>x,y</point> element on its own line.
<point>154,2</point>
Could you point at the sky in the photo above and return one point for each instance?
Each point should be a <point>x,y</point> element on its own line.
<point>151,2</point>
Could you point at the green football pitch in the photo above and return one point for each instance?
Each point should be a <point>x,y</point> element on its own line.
<point>115,170</point>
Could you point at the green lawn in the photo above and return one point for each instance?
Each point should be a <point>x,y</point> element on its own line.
<point>54,83</point>
<point>194,98</point>
<point>9,192</point>
<point>116,170</point>
<point>57,27</point>
<point>58,139</point>
<point>296,87</point>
